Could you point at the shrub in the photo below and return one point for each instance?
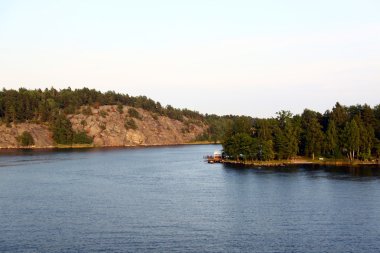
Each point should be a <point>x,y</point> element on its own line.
<point>87,111</point>
<point>103,113</point>
<point>134,113</point>
<point>70,109</point>
<point>130,124</point>
<point>26,139</point>
<point>82,138</point>
<point>120,108</point>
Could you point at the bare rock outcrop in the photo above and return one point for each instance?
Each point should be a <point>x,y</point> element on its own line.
<point>107,126</point>
<point>40,133</point>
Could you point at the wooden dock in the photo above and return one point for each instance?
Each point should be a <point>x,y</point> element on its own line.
<point>213,159</point>
<point>216,158</point>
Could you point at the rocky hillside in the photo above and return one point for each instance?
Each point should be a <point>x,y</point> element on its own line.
<point>107,125</point>
<point>41,135</point>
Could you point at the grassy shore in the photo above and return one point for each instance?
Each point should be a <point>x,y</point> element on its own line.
<point>202,142</point>
<point>303,161</point>
<point>75,146</point>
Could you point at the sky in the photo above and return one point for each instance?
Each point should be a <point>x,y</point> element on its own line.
<point>213,56</point>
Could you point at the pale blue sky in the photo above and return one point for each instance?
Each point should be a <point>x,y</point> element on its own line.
<point>238,57</point>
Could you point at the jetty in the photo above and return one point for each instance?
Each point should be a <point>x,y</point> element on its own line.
<point>215,158</point>
<point>218,157</point>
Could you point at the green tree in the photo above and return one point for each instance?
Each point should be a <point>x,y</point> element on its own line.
<point>264,140</point>
<point>368,116</point>
<point>62,130</point>
<point>340,115</point>
<point>332,140</point>
<point>264,151</point>
<point>367,137</point>
<point>351,135</point>
<point>377,148</point>
<point>239,146</point>
<point>239,125</point>
<point>286,135</point>
<point>82,138</point>
<point>264,130</point>
<point>376,112</point>
<point>312,133</point>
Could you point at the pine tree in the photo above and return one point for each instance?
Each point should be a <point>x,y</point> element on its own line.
<point>332,140</point>
<point>351,135</point>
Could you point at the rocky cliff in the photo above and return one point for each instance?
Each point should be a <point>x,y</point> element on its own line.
<point>106,125</point>
<point>41,135</point>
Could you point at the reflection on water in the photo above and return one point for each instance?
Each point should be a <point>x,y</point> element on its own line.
<point>364,172</point>
<point>26,157</point>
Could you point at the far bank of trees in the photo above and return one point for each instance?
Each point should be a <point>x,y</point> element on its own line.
<point>344,132</point>
<point>352,132</point>
<point>44,105</point>
<point>51,106</point>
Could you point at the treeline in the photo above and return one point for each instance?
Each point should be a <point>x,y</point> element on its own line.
<point>218,126</point>
<point>51,106</point>
<point>352,132</point>
<point>43,105</point>
<point>344,132</point>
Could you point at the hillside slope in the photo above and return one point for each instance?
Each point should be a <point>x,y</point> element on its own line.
<point>106,124</point>
<point>41,135</point>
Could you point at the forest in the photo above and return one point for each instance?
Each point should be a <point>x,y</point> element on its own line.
<point>351,132</point>
<point>44,105</point>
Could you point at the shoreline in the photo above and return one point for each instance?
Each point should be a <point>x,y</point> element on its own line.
<point>304,162</point>
<point>91,146</point>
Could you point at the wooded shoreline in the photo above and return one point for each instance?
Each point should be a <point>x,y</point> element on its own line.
<point>84,118</point>
<point>303,162</point>
<point>92,146</point>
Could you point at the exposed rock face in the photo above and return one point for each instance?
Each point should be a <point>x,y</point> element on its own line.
<point>106,126</point>
<point>40,133</point>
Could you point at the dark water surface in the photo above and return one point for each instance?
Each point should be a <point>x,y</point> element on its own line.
<point>168,200</point>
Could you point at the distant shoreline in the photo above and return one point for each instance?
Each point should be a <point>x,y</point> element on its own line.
<point>91,146</point>
<point>302,161</point>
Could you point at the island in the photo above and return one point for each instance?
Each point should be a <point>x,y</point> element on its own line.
<point>85,117</point>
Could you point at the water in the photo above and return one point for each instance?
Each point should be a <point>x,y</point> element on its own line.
<point>168,200</point>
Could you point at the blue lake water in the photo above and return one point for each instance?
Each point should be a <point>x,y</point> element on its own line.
<point>168,199</point>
